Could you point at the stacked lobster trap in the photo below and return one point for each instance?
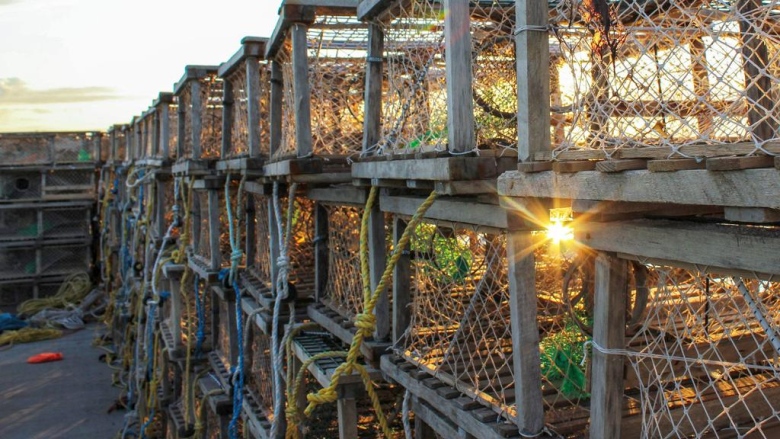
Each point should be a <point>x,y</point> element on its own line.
<point>47,188</point>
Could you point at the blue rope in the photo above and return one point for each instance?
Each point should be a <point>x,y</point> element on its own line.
<point>199,310</point>
<point>238,385</point>
<point>149,340</point>
<point>146,424</point>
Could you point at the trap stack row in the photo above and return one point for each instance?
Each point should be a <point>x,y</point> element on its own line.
<point>528,219</point>
<point>47,193</point>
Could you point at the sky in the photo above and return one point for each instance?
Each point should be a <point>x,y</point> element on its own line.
<point>84,65</point>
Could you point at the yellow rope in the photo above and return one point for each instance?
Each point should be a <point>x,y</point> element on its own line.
<point>365,323</point>
<point>71,292</point>
<point>27,335</point>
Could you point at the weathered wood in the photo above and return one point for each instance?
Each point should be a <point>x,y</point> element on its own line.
<point>738,163</point>
<point>670,165</point>
<point>287,167</point>
<point>227,118</point>
<point>574,166</point>
<point>181,127</point>
<point>214,224</point>
<point>534,166</point>
<point>253,105</point>
<point>369,9</point>
<point>456,210</point>
<point>428,422</point>
<point>274,245</point>
<point>662,152</point>
<point>376,261</point>
<point>320,251</point>
<point>758,82</point>
<point>476,187</point>
<point>460,102</point>
<point>250,230</point>
<point>372,119</point>
<point>301,90</point>
<point>402,291</point>
<point>347,413</point>
<point>346,194</point>
<point>533,78</point>
<point>609,323</point>
<point>751,215</point>
<point>621,165</point>
<point>277,97</point>
<point>165,130</point>
<point>525,333</point>
<point>746,188</point>
<point>442,169</point>
<point>196,118</point>
<point>752,249</point>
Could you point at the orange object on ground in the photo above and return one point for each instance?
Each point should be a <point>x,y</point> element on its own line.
<point>45,357</point>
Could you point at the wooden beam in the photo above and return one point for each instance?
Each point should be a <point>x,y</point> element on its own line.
<point>227,118</point>
<point>609,322</point>
<point>345,194</point>
<point>440,169</point>
<point>738,163</point>
<point>525,332</point>
<point>714,246</point>
<point>320,251</point>
<point>746,188</point>
<point>250,227</point>
<point>277,96</point>
<point>460,102</point>
<point>376,255</point>
<point>669,165</point>
<point>181,127</point>
<point>214,225</point>
<point>402,291</point>
<point>301,90</point>
<point>273,242</point>
<point>253,104</point>
<point>456,210</point>
<point>621,165</point>
<point>165,130</point>
<point>372,103</point>
<point>751,215</point>
<point>196,118</point>
<point>755,62</point>
<point>533,75</point>
<point>661,152</point>
<point>346,406</point>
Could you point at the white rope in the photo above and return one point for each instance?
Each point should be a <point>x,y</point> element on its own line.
<point>405,415</point>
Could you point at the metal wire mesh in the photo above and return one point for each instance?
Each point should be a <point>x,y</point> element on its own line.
<point>59,177</point>
<point>20,185</point>
<point>16,263</point>
<point>240,112</point>
<point>65,260</point>
<point>414,102</point>
<point>11,295</point>
<point>72,147</point>
<point>222,337</point>
<point>336,56</point>
<point>65,222</point>
<point>650,73</point>
<point>19,224</point>
<point>703,359</point>
<point>259,379</point>
<point>459,328</point>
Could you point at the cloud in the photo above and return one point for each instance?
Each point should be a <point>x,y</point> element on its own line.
<point>8,2</point>
<point>14,91</point>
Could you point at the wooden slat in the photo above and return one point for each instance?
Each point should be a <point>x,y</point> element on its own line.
<point>746,188</point>
<point>661,152</point>
<point>669,165</point>
<point>621,165</point>
<point>535,166</point>
<point>253,105</point>
<point>302,91</point>
<point>227,118</point>
<point>573,166</point>
<point>533,75</point>
<point>376,262</point>
<point>751,215</point>
<point>460,103</point>
<point>277,97</point>
<point>608,332</point>
<point>525,333</point>
<point>442,169</point>
<point>758,81</point>
<point>402,292</point>
<point>738,163</point>
<point>373,95</point>
<point>456,210</point>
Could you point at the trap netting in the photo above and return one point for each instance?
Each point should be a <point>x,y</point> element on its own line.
<point>239,135</point>
<point>118,144</point>
<point>147,134</point>
<point>204,250</point>
<point>343,291</point>
<point>261,266</point>
<point>210,110</point>
<point>642,73</point>
<point>259,379</point>
<point>459,329</point>
<point>703,359</point>
<point>336,56</point>
<point>414,101</point>
<point>301,246</point>
<point>173,132</point>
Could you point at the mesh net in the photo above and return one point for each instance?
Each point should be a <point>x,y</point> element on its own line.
<point>336,56</point>
<point>119,144</point>
<point>147,133</point>
<point>184,105</point>
<point>65,223</point>
<point>239,145</point>
<point>15,263</point>
<point>414,102</point>
<point>11,295</point>
<point>262,262</point>
<point>459,329</point>
<point>301,249</point>
<point>643,73</point>
<point>703,359</point>
<point>344,290</point>
<point>211,116</point>
<point>60,177</point>
<point>259,380</point>
<point>20,185</point>
<point>204,242</point>
<point>72,147</point>
<point>222,337</point>
<point>35,149</point>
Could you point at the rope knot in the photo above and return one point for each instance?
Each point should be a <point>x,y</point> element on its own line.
<point>282,262</point>
<point>236,256</point>
<point>365,322</point>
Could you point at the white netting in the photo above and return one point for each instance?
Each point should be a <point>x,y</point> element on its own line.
<point>262,262</point>
<point>344,290</point>
<point>147,124</point>
<point>336,56</point>
<point>703,359</point>
<point>211,114</point>
<point>301,250</point>
<point>173,132</point>
<point>414,102</point>
<point>459,328</point>
<point>239,144</point>
<point>652,73</point>
<point>204,241</point>
<point>184,104</point>
<point>259,381</point>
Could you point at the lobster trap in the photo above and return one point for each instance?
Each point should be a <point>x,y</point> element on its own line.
<point>52,221</point>
<point>321,58</point>
<point>198,98</point>
<point>44,261</point>
<point>166,115</point>
<point>42,149</point>
<point>648,74</point>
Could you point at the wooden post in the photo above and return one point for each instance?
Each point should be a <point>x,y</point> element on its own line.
<point>227,118</point>
<point>181,126</point>
<point>144,130</point>
<point>525,332</point>
<point>165,130</point>
<point>195,216</point>
<point>701,81</point>
<point>347,412</point>
<point>196,118</point>
<point>250,227</point>
<point>758,83</point>
<point>139,139</point>
<point>373,94</point>
<point>156,134</point>
<point>533,80</point>
<point>301,89</point>
<point>321,253</point>
<point>609,322</point>
<point>253,105</point>
<point>460,103</point>
<point>277,96</point>
<point>159,208</point>
<point>214,225</point>
<point>377,258</point>
<point>273,242</point>
<point>402,292</point>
